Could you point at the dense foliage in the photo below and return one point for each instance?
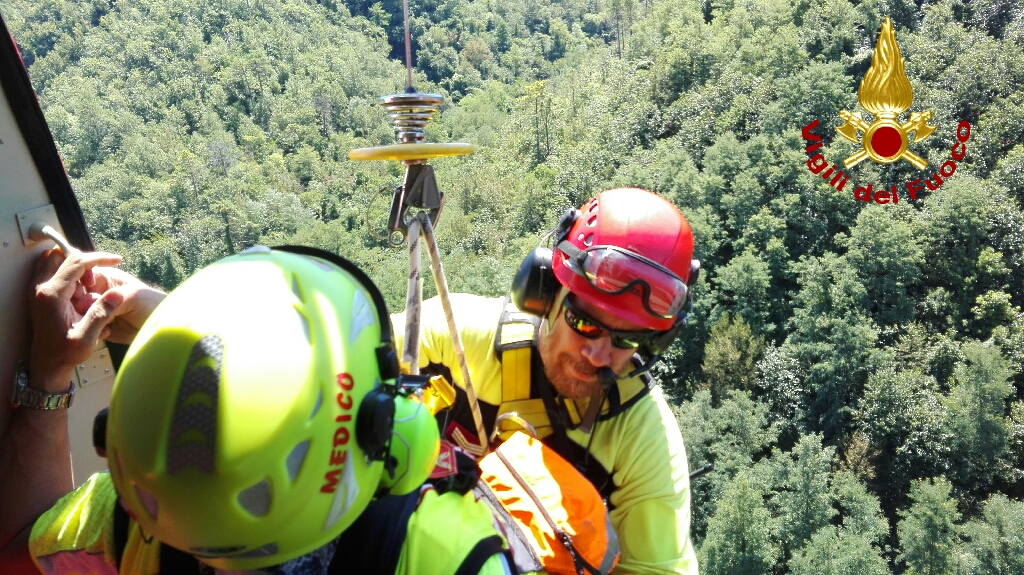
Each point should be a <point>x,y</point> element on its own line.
<point>853,370</point>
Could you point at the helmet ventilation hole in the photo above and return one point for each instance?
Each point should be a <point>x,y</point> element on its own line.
<point>148,500</point>
<point>587,239</point>
<point>305,326</point>
<point>296,289</point>
<point>265,551</point>
<point>592,221</point>
<point>321,264</point>
<point>296,458</point>
<point>256,499</point>
<point>362,315</point>
<point>319,402</point>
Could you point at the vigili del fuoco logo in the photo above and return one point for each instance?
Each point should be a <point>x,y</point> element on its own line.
<point>885,93</point>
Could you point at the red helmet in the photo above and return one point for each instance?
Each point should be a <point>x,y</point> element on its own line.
<point>628,252</point>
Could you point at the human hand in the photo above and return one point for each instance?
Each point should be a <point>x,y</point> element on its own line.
<point>139,301</point>
<point>76,302</point>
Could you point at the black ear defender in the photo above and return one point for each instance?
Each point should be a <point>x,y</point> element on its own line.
<point>374,422</point>
<point>387,360</point>
<point>534,287</point>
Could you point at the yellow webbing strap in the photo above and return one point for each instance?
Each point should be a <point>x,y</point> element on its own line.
<point>515,374</point>
<point>532,410</point>
<point>514,347</point>
<point>513,344</point>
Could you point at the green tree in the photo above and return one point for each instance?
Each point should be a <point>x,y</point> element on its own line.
<point>994,540</point>
<point>883,250</point>
<point>858,508</point>
<point>903,417</point>
<point>832,339</point>
<point>730,357</point>
<point>1010,340</point>
<point>1009,172</point>
<point>833,551</point>
<point>805,499</point>
<point>780,386</point>
<point>977,419</point>
<point>958,232</point>
<point>739,540</point>
<point>928,531</point>
<point>743,287</point>
<point>731,436</point>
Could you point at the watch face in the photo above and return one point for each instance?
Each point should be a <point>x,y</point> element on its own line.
<point>20,387</point>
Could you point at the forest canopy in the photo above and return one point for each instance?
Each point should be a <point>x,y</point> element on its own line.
<point>853,370</point>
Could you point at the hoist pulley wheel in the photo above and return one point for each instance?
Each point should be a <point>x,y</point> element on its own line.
<point>405,152</point>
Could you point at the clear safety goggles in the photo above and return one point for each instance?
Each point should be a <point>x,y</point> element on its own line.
<point>613,270</point>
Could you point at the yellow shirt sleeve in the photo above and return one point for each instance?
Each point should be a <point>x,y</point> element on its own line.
<point>76,535</point>
<point>477,321</point>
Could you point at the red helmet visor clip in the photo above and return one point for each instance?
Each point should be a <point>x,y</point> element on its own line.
<point>613,270</point>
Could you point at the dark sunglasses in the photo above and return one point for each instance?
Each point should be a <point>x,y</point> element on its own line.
<point>590,328</point>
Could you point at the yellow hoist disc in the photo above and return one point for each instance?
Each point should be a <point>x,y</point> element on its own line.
<point>423,151</point>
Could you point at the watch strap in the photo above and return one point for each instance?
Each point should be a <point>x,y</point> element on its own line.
<point>35,399</point>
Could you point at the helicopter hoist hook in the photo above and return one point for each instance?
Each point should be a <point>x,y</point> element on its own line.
<point>415,207</point>
<point>410,112</point>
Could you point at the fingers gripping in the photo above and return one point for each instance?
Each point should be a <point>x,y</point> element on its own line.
<point>93,325</point>
<point>75,266</point>
<point>68,319</point>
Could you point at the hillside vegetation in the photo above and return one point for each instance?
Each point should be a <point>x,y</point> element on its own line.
<point>853,370</point>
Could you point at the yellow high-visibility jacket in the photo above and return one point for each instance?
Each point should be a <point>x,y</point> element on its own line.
<point>76,536</point>
<point>638,445</point>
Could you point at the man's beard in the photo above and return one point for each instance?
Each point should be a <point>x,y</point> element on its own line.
<point>565,384</point>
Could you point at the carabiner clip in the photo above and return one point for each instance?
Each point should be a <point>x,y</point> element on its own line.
<point>418,191</point>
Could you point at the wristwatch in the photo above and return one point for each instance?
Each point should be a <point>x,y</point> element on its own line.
<point>28,397</point>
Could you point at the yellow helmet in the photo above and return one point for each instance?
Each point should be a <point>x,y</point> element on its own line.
<point>253,415</point>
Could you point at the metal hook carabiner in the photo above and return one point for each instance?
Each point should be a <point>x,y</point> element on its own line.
<point>418,192</point>
<point>514,417</point>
